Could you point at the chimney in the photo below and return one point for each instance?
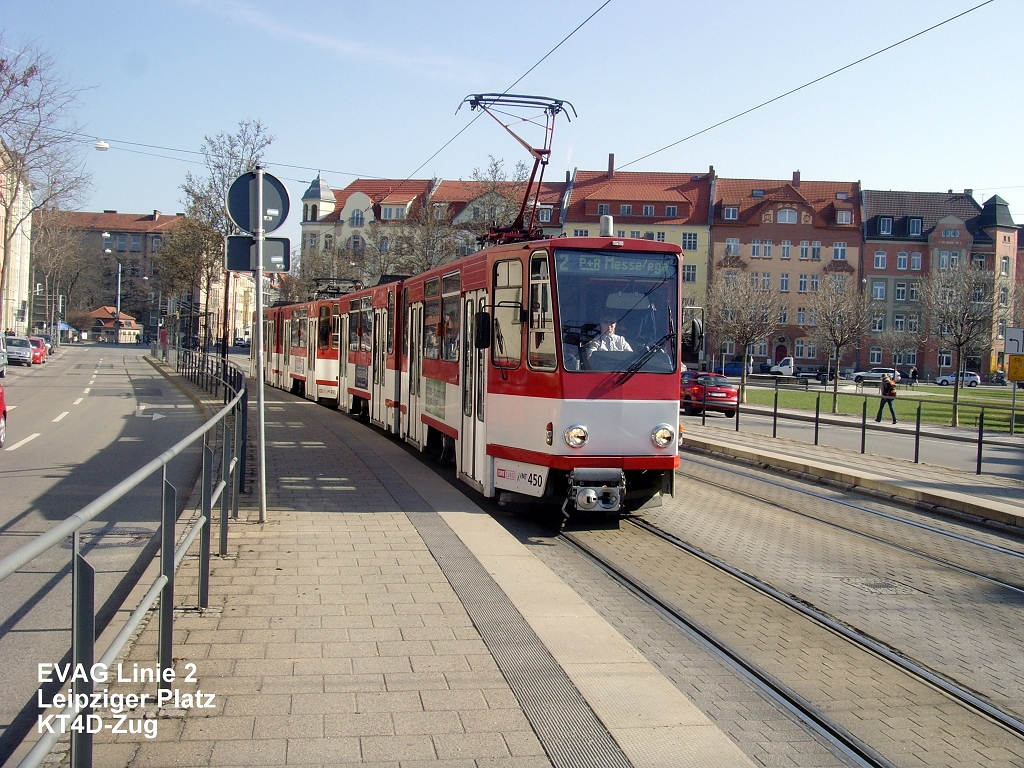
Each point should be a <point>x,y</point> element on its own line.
<point>156,215</point>
<point>116,211</point>
<point>796,179</point>
<point>611,165</point>
<point>969,192</point>
<point>711,171</point>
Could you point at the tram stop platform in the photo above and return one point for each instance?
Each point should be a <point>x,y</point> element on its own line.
<point>380,617</point>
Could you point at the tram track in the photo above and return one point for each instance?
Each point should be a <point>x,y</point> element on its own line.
<point>871,737</point>
<point>1015,556</point>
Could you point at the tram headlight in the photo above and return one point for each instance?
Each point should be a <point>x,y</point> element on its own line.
<point>663,435</point>
<point>576,436</point>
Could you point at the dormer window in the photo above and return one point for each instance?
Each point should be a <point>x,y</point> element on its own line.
<point>356,219</point>
<point>730,213</point>
<point>648,210</point>
<point>844,217</point>
<point>915,228</point>
<point>786,216</point>
<point>603,209</point>
<point>885,225</point>
<point>625,210</point>
<point>671,210</point>
<point>757,193</point>
<point>393,213</point>
<point>842,195</point>
<point>544,215</point>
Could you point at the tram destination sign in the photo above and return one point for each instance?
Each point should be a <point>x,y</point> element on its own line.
<point>616,263</point>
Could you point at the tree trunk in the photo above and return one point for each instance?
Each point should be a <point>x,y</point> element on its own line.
<point>955,421</point>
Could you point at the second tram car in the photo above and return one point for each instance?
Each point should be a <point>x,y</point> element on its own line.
<point>546,369</point>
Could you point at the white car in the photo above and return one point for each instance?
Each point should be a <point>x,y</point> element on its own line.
<point>875,374</point>
<point>967,379</point>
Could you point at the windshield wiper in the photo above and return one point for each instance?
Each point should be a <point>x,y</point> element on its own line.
<point>639,363</point>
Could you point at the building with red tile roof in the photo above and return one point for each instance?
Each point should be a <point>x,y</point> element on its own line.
<point>789,234</point>
<point>669,207</point>
<point>112,327</point>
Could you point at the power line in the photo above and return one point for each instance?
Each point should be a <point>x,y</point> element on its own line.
<point>807,85</point>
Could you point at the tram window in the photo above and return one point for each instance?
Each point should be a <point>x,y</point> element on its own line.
<point>366,323</point>
<point>452,326</point>
<point>431,319</point>
<point>451,284</point>
<point>391,322</point>
<point>324,328</point>
<point>541,352</point>
<point>335,326</point>
<point>353,331</point>
<point>405,325</point>
<point>299,329</point>
<point>507,332</point>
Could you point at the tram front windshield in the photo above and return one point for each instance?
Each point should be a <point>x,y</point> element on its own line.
<point>617,310</point>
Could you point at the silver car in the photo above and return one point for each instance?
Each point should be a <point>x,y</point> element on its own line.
<point>3,357</point>
<point>19,350</point>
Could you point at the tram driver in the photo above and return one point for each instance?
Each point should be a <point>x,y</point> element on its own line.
<point>608,341</point>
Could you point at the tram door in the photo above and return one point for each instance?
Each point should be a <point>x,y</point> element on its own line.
<point>286,355</point>
<point>378,390</point>
<point>311,342</point>
<point>341,342</point>
<point>414,324</point>
<point>473,383</point>
<point>268,353</point>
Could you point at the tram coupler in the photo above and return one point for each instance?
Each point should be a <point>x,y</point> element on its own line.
<point>597,489</point>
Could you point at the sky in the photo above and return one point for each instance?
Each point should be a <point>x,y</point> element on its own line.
<point>373,89</point>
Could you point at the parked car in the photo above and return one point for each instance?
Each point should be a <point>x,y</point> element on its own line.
<point>48,340</point>
<point>3,417</point>
<point>38,349</point>
<point>876,374</point>
<point>967,379</point>
<point>3,357</point>
<point>733,368</point>
<point>240,342</point>
<point>720,393</point>
<point>19,350</point>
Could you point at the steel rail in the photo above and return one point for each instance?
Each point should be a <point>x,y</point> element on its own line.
<point>58,533</point>
<point>956,692</point>
<point>849,746</point>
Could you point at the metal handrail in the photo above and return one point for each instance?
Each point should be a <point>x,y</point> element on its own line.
<point>83,575</point>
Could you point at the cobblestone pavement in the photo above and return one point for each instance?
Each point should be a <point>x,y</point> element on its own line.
<point>963,627</point>
<point>908,722</point>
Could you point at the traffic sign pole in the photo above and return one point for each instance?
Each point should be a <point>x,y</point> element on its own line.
<point>262,428</point>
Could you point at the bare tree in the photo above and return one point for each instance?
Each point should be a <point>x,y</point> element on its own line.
<point>191,259</point>
<point>741,309</point>
<point>40,151</point>
<point>959,307</point>
<point>59,258</point>
<point>499,199</point>
<point>841,315</point>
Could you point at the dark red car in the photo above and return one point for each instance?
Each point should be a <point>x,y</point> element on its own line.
<point>3,417</point>
<point>38,349</point>
<point>699,387</point>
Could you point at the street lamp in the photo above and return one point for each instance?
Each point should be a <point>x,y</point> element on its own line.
<point>117,309</point>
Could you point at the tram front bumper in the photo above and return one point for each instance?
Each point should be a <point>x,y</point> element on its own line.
<point>597,488</point>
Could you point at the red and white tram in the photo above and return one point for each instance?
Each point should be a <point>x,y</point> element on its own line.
<point>497,361</point>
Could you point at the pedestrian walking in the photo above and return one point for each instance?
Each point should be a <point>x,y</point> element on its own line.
<point>913,376</point>
<point>888,390</point>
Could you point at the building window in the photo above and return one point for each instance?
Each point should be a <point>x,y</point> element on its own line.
<point>814,283</point>
<point>799,348</point>
<point>901,260</point>
<point>1001,329</point>
<point>385,244</point>
<point>885,225</point>
<point>915,228</point>
<point>328,242</point>
<point>635,233</point>
<point>767,249</point>
<point>915,261</point>
<point>816,250</point>
<point>386,214</point>
<point>625,210</point>
<point>476,212</point>
<point>755,248</point>
<point>440,211</point>
<point>812,348</point>
<point>648,235</point>
<point>913,323</point>
<point>158,243</point>
<point>945,359</point>
<point>878,323</point>
<point>802,284</point>
<point>805,249</point>
<point>122,243</point>
<point>899,323</point>
<point>875,356</point>
<point>620,233</point>
<point>910,358</point>
<point>839,251</point>
<point>786,216</point>
<point>1004,265</point>
<point>730,213</point>
<point>136,243</point>
<point>766,281</point>
<point>783,315</point>
<point>689,241</point>
<point>901,291</point>
<point>603,209</point>
<point>879,259</point>
<point>844,217</point>
<point>1004,295</point>
<point>356,219</point>
<point>784,281</point>
<point>943,259</point>
<point>912,292</point>
<point>544,215</point>
<point>951,233</point>
<point>801,316</point>
<point>786,245</point>
<point>728,347</point>
<point>878,291</point>
<point>689,273</point>
<point>732,246</point>
<point>312,241</point>
<point>755,278</point>
<point>581,233</point>
<point>757,193</point>
<point>954,259</point>
<point>661,237</point>
<point>671,210</point>
<point>648,210</point>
